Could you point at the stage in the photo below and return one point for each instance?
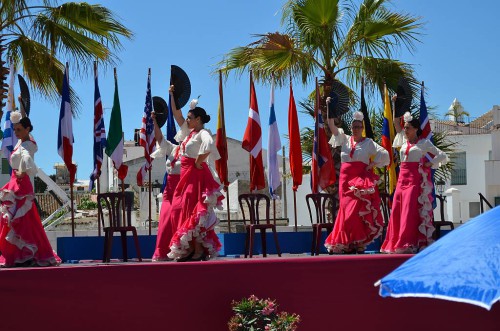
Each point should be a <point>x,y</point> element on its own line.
<point>328,292</point>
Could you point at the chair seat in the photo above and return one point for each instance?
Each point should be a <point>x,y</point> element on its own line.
<point>261,226</point>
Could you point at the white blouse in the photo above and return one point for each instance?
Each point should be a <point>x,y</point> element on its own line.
<point>166,148</point>
<point>363,150</point>
<point>200,143</point>
<point>419,150</point>
<point>22,158</point>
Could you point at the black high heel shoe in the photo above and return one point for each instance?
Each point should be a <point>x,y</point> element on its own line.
<point>186,258</point>
<point>202,257</point>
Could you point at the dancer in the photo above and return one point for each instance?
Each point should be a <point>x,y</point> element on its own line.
<point>197,192</point>
<point>166,226</point>
<point>410,225</point>
<point>23,241</point>
<point>359,220</point>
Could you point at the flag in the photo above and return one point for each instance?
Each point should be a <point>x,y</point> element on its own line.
<point>367,131</point>
<point>9,140</point>
<point>65,138</point>
<point>322,171</point>
<point>99,132</point>
<point>146,134</point>
<point>114,148</point>
<point>387,138</point>
<point>425,126</point>
<point>295,150</point>
<point>252,142</point>
<point>221,140</point>
<point>273,147</point>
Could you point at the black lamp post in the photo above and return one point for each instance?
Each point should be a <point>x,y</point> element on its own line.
<point>440,189</point>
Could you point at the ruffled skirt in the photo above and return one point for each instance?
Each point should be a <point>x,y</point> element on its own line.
<point>194,200</point>
<point>359,221</point>
<point>22,237</point>
<point>410,225</point>
<point>166,227</point>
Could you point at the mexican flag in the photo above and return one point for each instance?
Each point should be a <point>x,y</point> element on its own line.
<point>114,148</point>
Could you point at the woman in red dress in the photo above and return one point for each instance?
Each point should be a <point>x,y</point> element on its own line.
<point>197,193</point>
<point>359,220</point>
<point>410,226</point>
<point>23,241</point>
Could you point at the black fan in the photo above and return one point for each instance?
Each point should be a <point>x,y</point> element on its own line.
<point>404,97</point>
<point>160,108</point>
<point>339,100</point>
<point>25,95</point>
<point>182,86</point>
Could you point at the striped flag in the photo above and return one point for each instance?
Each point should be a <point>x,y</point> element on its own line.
<point>99,132</point>
<point>387,138</point>
<point>295,150</point>
<point>146,134</point>
<point>425,126</point>
<point>114,147</point>
<point>221,140</point>
<point>9,138</point>
<point>252,142</point>
<point>273,147</point>
<point>323,172</point>
<point>65,137</point>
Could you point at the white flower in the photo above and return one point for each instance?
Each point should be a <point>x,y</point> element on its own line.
<point>407,117</point>
<point>193,104</point>
<point>358,116</point>
<point>15,117</point>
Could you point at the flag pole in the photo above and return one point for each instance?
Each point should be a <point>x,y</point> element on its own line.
<point>98,190</point>
<point>149,206</point>
<point>223,120</point>
<point>98,214</point>
<point>283,185</point>
<point>249,154</point>
<point>71,184</point>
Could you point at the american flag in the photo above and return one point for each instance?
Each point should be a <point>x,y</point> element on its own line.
<point>146,135</point>
<point>425,126</point>
<point>99,132</point>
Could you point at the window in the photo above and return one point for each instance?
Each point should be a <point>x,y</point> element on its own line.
<point>5,167</point>
<point>459,172</point>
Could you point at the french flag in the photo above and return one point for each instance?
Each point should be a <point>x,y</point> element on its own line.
<point>65,138</point>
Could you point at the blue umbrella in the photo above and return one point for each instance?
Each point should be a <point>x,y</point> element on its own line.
<point>462,266</point>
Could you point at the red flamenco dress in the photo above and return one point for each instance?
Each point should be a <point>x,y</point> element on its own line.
<point>166,228</point>
<point>410,225</point>
<point>359,220</point>
<point>195,198</point>
<point>23,240</point>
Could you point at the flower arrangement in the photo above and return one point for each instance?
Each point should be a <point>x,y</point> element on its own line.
<point>261,315</point>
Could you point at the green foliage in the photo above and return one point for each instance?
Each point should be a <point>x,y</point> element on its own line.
<point>87,204</point>
<point>254,314</point>
<point>40,185</point>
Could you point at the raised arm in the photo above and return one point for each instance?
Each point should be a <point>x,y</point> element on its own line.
<point>177,112</point>
<point>158,133</point>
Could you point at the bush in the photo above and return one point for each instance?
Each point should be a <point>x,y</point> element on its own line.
<point>254,314</point>
<point>87,204</point>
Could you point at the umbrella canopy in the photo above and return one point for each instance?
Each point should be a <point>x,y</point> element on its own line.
<point>462,266</point>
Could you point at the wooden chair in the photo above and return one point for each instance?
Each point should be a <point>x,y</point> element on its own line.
<point>439,224</point>
<point>322,203</point>
<point>113,203</point>
<point>252,201</point>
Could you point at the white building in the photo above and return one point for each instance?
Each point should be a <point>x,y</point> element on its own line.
<point>477,164</point>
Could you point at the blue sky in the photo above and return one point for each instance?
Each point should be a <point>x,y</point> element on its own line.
<point>457,58</point>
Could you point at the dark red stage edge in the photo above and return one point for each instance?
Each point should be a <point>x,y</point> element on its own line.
<point>330,293</point>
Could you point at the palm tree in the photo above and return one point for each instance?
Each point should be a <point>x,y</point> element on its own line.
<point>333,39</point>
<point>38,36</point>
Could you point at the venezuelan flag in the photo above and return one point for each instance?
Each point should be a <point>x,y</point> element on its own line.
<point>387,138</point>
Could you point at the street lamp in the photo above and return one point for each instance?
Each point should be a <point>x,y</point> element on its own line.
<point>440,184</point>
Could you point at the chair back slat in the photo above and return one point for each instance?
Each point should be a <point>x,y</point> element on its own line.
<point>321,202</point>
<point>112,202</point>
<point>252,202</point>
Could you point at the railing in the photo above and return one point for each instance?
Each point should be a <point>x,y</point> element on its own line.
<point>49,204</point>
<point>470,126</point>
<point>482,199</point>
